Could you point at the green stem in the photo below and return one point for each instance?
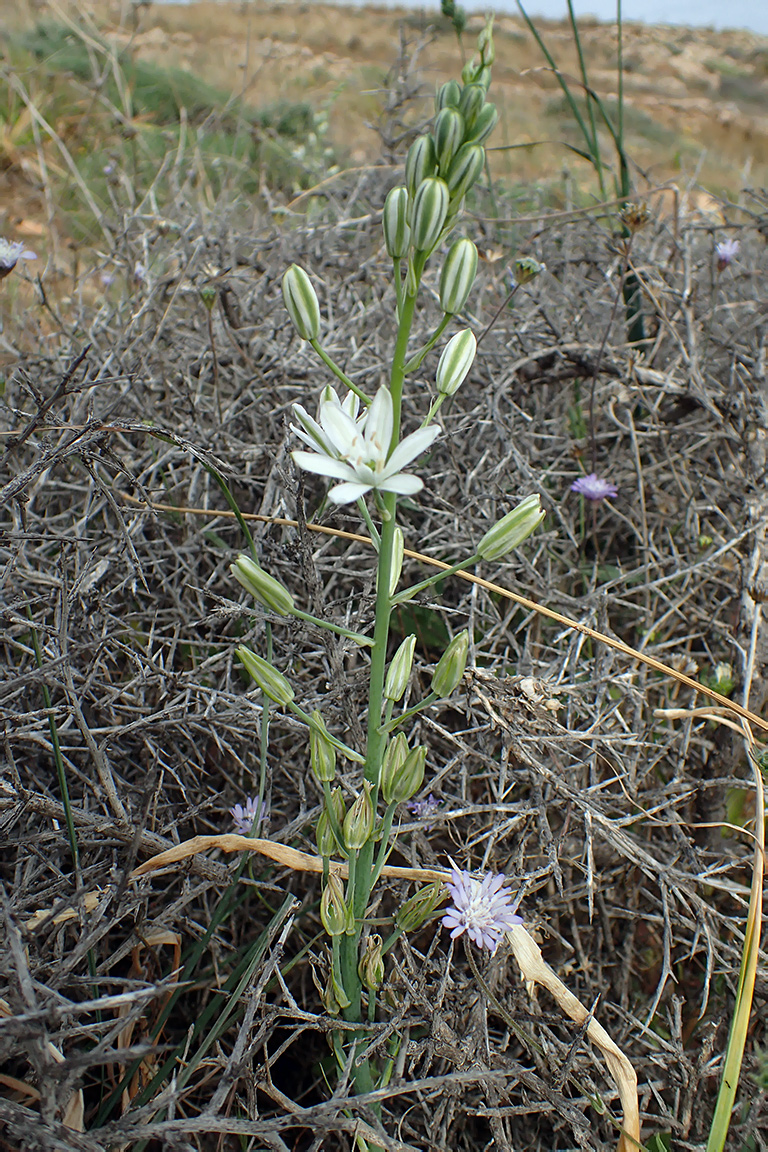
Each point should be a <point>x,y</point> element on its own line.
<point>398,720</point>
<point>364,641</point>
<point>409,593</point>
<point>338,372</point>
<point>418,358</point>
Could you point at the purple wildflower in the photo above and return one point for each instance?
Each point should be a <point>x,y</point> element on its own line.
<point>244,816</point>
<point>11,251</point>
<point>481,908</point>
<point>424,809</point>
<point>139,272</point>
<point>594,487</point>
<point>725,252</point>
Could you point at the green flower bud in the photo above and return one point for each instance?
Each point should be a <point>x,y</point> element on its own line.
<point>397,234</point>
<point>458,276</point>
<point>272,683</point>
<point>485,44</point>
<point>472,100</point>
<point>261,585</point>
<point>512,529</point>
<point>398,551</point>
<point>334,912</point>
<point>449,136</point>
<point>399,671</point>
<point>487,119</point>
<point>411,282</point>
<point>394,758</point>
<point>208,296</point>
<point>455,362</point>
<point>420,163</point>
<point>465,169</point>
<point>326,841</point>
<point>448,95</point>
<point>430,208</point>
<point>527,269</point>
<point>322,754</point>
<point>451,665</point>
<point>470,70</point>
<point>301,301</point>
<point>328,996</point>
<point>371,966</point>
<point>358,822</point>
<point>399,786</point>
<point>484,77</point>
<point>416,910</point>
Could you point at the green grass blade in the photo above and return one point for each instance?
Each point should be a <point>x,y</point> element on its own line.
<point>595,142</point>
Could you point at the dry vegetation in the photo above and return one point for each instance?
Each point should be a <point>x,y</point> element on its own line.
<point>558,763</point>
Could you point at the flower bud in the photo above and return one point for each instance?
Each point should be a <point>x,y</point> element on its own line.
<point>465,169</point>
<point>331,1002</point>
<point>634,216</point>
<point>512,529</point>
<point>261,585</point>
<point>483,77</point>
<point>449,136</point>
<point>448,95</point>
<point>485,44</point>
<point>399,671</point>
<point>527,269</point>
<point>472,100</point>
<point>451,665</point>
<point>397,234</point>
<point>420,163</point>
<point>322,754</point>
<point>326,841</point>
<point>208,296</point>
<point>487,119</point>
<point>405,781</point>
<point>398,552</point>
<point>470,70</point>
<point>430,208</point>
<point>272,683</point>
<point>458,276</point>
<point>394,758</point>
<point>371,966</point>
<point>421,905</point>
<point>358,822</point>
<point>455,362</point>
<point>301,301</point>
<point>334,912</point>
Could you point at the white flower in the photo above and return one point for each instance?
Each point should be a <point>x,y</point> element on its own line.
<point>311,432</point>
<point>355,449</point>
<point>481,908</point>
<point>11,251</point>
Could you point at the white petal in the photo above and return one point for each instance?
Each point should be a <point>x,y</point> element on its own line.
<point>379,421</point>
<point>310,431</point>
<point>323,465</point>
<point>341,431</point>
<point>346,493</point>
<point>402,483</point>
<point>412,447</point>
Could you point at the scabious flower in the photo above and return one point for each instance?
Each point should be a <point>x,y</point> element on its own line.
<point>356,450</point>
<point>481,908</point>
<point>594,487</point>
<point>243,816</point>
<point>11,251</point>
<point>424,809</point>
<point>725,252</point>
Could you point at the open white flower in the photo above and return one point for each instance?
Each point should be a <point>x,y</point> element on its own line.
<point>310,431</point>
<point>355,449</point>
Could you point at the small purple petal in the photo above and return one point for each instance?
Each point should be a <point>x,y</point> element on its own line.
<point>243,816</point>
<point>11,251</point>
<point>481,908</point>
<point>725,252</point>
<point>594,487</point>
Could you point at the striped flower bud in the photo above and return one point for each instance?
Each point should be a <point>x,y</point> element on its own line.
<point>485,44</point>
<point>415,911</point>
<point>334,912</point>
<point>430,208</point>
<point>472,100</point>
<point>399,785</point>
<point>512,529</point>
<point>261,585</point>
<point>358,822</point>
<point>394,221</point>
<point>420,163</point>
<point>484,77</point>
<point>470,70</point>
<point>458,276</point>
<point>448,95</point>
<point>487,119</point>
<point>324,836</point>
<point>301,301</point>
<point>455,362</point>
<point>322,754</point>
<point>371,966</point>
<point>399,671</point>
<point>394,758</point>
<point>398,552</point>
<point>272,683</point>
<point>527,269</point>
<point>465,169</point>
<point>450,667</point>
<point>449,136</point>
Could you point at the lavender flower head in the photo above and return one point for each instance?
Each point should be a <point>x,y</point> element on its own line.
<point>725,252</point>
<point>11,251</point>
<point>424,809</point>
<point>481,908</point>
<point>243,816</point>
<point>594,487</point>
